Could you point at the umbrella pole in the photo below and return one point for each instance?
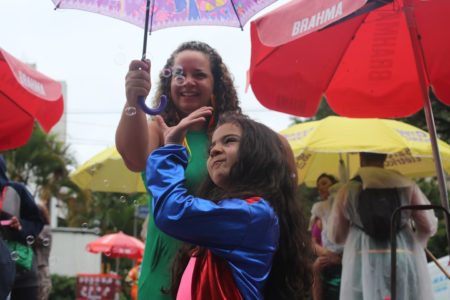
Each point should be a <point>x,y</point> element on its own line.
<point>147,12</point>
<point>418,54</point>
<point>117,265</point>
<point>141,100</point>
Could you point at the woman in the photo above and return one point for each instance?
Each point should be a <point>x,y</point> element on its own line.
<point>327,266</point>
<point>194,76</point>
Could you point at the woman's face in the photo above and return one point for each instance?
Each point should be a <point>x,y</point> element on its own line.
<point>223,153</point>
<point>323,186</point>
<point>192,83</point>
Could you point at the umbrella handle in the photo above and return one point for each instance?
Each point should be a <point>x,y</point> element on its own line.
<point>153,111</point>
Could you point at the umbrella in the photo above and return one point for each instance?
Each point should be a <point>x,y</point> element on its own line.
<point>117,245</point>
<point>25,96</point>
<point>381,61</point>
<point>366,66</point>
<point>106,172</point>
<point>319,146</point>
<point>159,14</point>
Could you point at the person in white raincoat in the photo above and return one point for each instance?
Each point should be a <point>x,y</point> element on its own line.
<point>366,261</point>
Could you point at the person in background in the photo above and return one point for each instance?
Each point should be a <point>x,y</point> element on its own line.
<point>247,229</point>
<point>20,209</point>
<point>133,278</point>
<point>7,265</point>
<point>366,260</point>
<point>327,266</point>
<point>194,76</point>
<point>42,248</point>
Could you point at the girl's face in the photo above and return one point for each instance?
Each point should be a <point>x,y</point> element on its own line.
<point>223,153</point>
<point>323,186</point>
<point>192,82</point>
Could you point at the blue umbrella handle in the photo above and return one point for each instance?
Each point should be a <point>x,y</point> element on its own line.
<point>153,111</point>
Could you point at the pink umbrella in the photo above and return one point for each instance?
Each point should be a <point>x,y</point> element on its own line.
<point>25,96</point>
<point>117,245</point>
<point>159,14</point>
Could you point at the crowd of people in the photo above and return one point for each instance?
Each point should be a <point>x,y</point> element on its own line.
<point>25,242</point>
<point>225,221</point>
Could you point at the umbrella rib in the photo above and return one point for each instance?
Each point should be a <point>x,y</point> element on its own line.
<point>237,16</point>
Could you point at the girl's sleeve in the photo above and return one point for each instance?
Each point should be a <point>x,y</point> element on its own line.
<point>192,219</point>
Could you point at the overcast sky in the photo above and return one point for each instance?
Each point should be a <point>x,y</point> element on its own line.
<point>91,52</point>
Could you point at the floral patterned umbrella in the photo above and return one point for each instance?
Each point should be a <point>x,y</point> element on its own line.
<point>157,14</point>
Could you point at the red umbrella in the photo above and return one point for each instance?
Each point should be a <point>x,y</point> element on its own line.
<point>25,96</point>
<point>379,62</point>
<point>117,245</point>
<point>376,63</point>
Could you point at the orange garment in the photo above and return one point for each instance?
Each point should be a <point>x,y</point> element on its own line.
<point>133,278</point>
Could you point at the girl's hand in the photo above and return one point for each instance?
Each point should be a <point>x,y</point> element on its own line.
<point>176,134</point>
<point>137,81</point>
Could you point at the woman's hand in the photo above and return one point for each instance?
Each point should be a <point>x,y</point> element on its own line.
<point>176,134</point>
<point>137,81</point>
<point>15,224</point>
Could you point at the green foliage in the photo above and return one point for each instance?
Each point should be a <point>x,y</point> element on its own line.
<point>42,162</point>
<point>438,243</point>
<point>63,287</point>
<point>441,114</point>
<point>112,212</point>
<point>323,111</point>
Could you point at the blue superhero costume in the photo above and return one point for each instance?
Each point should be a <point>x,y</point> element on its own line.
<point>241,235</point>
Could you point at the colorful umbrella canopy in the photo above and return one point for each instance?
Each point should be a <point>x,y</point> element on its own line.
<point>106,172</point>
<point>171,13</point>
<point>25,96</point>
<point>117,245</point>
<point>320,145</point>
<point>158,14</point>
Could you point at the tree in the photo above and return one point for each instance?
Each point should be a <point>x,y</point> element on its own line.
<point>42,165</point>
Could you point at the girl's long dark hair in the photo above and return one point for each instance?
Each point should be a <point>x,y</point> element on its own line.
<point>265,168</point>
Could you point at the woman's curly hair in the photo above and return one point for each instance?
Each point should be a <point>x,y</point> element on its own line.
<point>226,98</point>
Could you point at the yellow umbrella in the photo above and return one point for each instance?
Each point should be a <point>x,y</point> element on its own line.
<point>106,172</point>
<point>319,145</point>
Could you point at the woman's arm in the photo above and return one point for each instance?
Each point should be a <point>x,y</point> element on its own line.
<point>195,220</point>
<point>425,220</point>
<point>136,138</point>
<point>338,225</point>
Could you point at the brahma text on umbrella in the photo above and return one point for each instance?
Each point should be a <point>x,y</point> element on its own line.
<point>31,83</point>
<point>310,23</point>
<point>384,43</point>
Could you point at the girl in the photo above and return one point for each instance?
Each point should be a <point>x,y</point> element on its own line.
<point>205,80</point>
<point>249,229</point>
